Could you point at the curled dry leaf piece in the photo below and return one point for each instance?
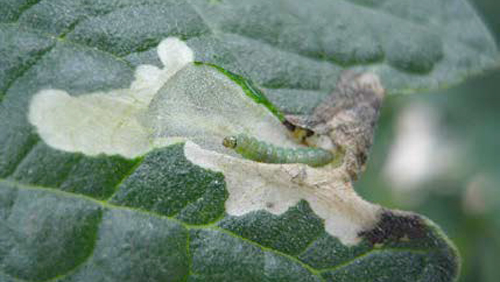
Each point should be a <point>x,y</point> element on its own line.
<point>346,118</point>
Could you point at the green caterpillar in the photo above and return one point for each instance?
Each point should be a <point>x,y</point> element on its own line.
<point>260,151</point>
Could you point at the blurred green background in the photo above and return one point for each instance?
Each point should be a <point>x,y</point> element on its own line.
<point>438,154</point>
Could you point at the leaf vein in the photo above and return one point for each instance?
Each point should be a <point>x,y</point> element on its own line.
<point>28,5</point>
<point>83,262</point>
<point>370,252</point>
<point>290,257</point>
<point>23,69</point>
<point>124,178</point>
<point>71,42</point>
<point>24,156</point>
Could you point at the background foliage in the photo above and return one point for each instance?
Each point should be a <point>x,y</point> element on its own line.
<point>464,197</point>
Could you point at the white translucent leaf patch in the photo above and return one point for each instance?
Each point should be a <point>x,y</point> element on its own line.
<point>277,187</point>
<point>203,105</point>
<point>107,122</point>
<point>198,104</point>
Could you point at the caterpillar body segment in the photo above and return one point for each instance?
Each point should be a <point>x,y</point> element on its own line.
<point>260,151</point>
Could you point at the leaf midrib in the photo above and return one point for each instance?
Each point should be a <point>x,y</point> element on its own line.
<point>208,226</point>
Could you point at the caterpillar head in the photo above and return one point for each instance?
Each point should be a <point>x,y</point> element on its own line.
<point>230,142</point>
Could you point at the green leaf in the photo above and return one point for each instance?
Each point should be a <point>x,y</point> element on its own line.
<point>68,216</point>
<point>292,49</point>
